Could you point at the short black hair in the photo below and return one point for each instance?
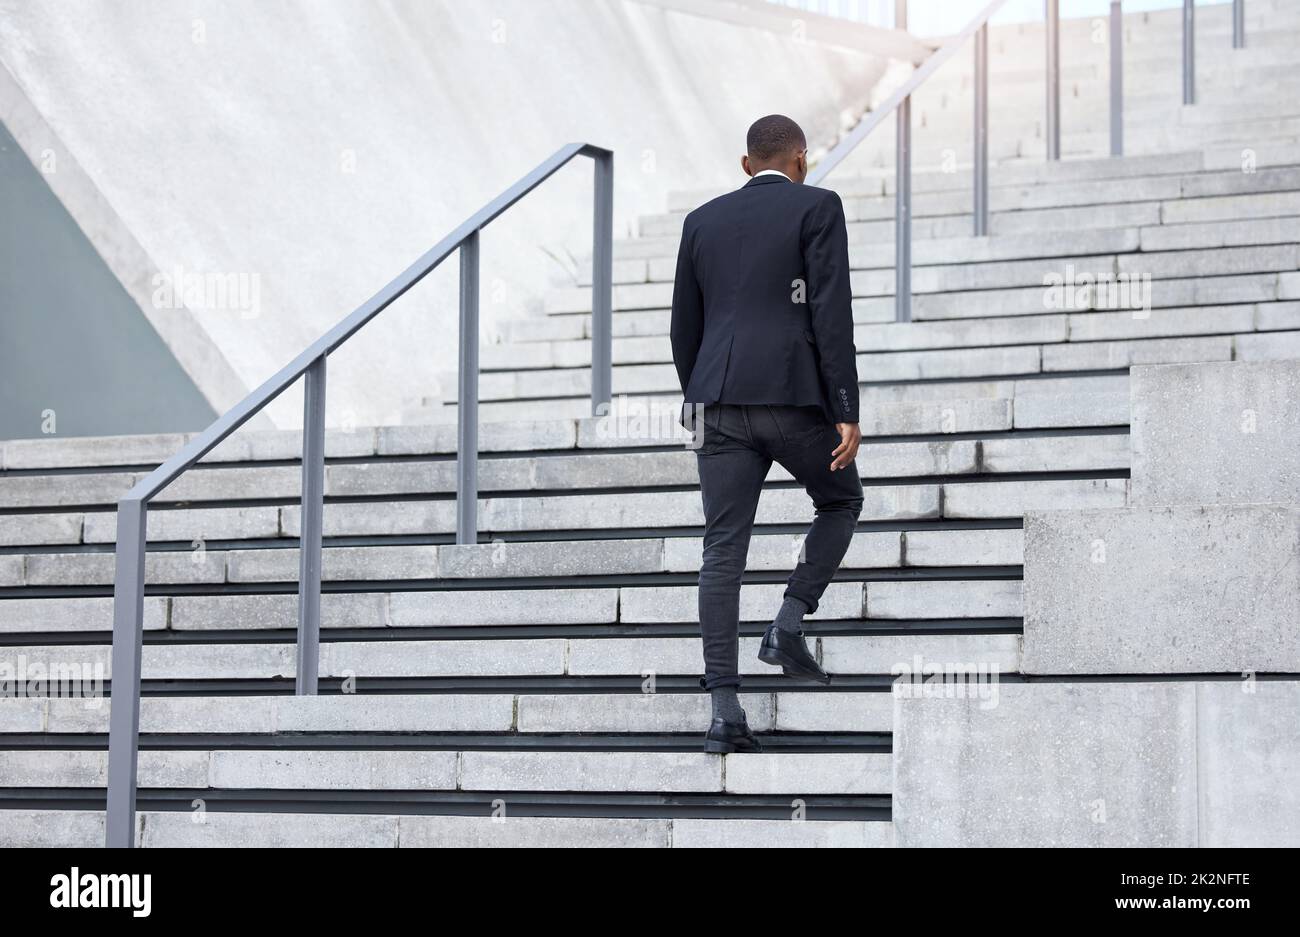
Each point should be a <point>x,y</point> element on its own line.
<point>774,136</point>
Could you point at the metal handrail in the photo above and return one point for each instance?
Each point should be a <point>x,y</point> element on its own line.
<point>132,510</point>
<point>900,103</point>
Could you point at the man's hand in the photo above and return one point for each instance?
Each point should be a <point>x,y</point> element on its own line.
<point>847,451</point>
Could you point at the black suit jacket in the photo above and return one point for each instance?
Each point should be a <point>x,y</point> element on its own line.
<point>762,305</point>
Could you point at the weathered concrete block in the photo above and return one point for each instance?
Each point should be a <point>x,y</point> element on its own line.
<point>72,614</point>
<point>994,547</point>
<point>1050,764</point>
<point>250,612</point>
<point>867,550</point>
<point>1036,411</point>
<point>503,607</point>
<point>515,832</point>
<point>281,769</point>
<point>1216,433</point>
<point>590,771</point>
<point>341,659</point>
<point>834,712</point>
<point>898,654</point>
<point>177,830</point>
<point>13,570</point>
<point>187,525</point>
<point>20,530</point>
<point>28,491</point>
<point>632,712</point>
<point>809,773</point>
<point>1163,590</point>
<point>787,834</point>
<point>978,598</point>
<point>338,564</point>
<point>525,559</point>
<point>1088,453</point>
<point>1014,498</point>
<point>758,602</point>
<point>1249,758</point>
<point>642,657</point>
<point>52,829</point>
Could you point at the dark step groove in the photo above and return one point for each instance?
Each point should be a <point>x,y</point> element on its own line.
<point>467,803</point>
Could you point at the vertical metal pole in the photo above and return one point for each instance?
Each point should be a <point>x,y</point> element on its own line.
<point>313,518</point>
<point>1053,13</point>
<point>903,196</point>
<point>1239,24</point>
<point>467,407</point>
<point>981,156</point>
<point>1189,52</point>
<point>1116,79</point>
<point>602,286</point>
<point>128,639</point>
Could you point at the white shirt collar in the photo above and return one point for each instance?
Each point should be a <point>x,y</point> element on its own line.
<point>773,172</point>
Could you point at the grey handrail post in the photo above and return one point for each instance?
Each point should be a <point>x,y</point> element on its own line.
<point>1189,52</point>
<point>312,524</point>
<point>1239,24</point>
<point>467,396</point>
<point>903,195</point>
<point>602,285</point>
<point>1116,79</point>
<point>124,705</point>
<point>981,155</point>
<point>1053,35</point>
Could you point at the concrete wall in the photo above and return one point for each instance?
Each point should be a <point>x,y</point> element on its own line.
<point>1224,433</point>
<point>312,150</point>
<point>1101,764</point>
<point>76,354</point>
<point>1212,589</point>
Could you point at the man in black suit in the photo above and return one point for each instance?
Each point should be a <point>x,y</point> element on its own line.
<point>762,333</point>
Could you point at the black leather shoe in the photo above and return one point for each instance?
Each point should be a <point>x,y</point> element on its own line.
<point>724,737</point>
<point>785,649</point>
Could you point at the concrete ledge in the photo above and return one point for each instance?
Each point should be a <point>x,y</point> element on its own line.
<point>1163,590</point>
<point>1101,764</point>
<point>1216,433</point>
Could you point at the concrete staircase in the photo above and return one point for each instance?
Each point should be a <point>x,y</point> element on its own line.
<point>539,688</point>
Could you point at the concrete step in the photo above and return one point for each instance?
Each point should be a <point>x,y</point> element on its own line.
<point>919,335</point>
<point>85,828</point>
<point>586,771</point>
<point>591,470</point>
<point>523,713</point>
<point>978,361</point>
<point>635,658</point>
<point>520,559</point>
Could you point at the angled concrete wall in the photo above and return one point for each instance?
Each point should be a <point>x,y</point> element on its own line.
<point>316,149</point>
<point>1101,764</point>
<point>76,354</point>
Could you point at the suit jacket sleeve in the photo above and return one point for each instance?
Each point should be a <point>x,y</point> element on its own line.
<point>687,326</point>
<point>830,302</point>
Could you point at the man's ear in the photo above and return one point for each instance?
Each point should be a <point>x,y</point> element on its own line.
<point>744,164</point>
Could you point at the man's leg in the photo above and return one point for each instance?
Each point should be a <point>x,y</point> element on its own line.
<point>731,480</point>
<point>837,499</point>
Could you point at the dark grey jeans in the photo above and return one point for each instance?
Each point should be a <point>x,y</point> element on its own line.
<point>739,444</point>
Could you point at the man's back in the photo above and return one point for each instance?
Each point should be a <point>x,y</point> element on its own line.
<point>762,308</point>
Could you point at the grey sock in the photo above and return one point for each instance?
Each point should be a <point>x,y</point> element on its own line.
<point>790,618</point>
<point>726,704</point>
